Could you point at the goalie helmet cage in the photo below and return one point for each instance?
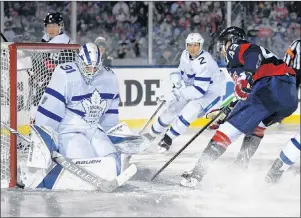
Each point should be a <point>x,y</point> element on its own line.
<point>26,70</point>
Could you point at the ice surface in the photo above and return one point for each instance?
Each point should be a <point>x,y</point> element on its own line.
<point>224,191</point>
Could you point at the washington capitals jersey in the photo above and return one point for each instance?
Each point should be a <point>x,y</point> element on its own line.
<point>256,59</point>
<point>69,104</point>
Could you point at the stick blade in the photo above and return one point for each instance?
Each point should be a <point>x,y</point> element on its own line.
<point>126,175</point>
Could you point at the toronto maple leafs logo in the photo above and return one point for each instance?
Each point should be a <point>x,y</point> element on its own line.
<point>94,107</point>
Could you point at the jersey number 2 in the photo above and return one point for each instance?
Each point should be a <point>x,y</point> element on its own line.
<point>202,60</point>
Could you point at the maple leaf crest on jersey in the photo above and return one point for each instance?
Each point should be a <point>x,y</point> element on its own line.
<point>94,107</point>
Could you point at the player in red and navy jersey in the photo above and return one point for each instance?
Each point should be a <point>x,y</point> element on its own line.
<point>265,87</point>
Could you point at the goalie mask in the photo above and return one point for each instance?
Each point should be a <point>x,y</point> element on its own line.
<point>89,61</point>
<point>192,40</point>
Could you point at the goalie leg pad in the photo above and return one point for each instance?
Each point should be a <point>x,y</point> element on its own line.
<point>44,143</point>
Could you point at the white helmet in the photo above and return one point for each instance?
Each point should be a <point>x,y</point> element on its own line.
<point>89,61</point>
<point>195,38</point>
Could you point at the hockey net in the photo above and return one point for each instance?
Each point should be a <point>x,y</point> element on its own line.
<point>26,70</point>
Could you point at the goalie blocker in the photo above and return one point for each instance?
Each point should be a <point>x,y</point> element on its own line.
<point>45,170</point>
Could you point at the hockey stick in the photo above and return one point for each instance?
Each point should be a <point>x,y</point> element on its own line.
<point>225,107</point>
<point>4,38</point>
<point>66,163</point>
<point>151,118</point>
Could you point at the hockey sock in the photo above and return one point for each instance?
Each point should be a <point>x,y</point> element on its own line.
<point>216,147</point>
<point>250,145</point>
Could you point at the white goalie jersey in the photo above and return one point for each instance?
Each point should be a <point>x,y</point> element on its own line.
<point>69,104</point>
<point>199,75</point>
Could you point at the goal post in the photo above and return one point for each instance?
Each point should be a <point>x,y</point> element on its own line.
<point>26,70</point>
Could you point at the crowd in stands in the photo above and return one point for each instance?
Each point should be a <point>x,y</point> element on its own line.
<point>124,25</point>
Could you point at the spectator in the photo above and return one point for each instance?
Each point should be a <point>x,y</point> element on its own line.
<point>101,43</point>
<point>124,24</point>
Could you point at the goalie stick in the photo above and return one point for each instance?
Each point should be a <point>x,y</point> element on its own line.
<point>225,107</point>
<point>66,163</point>
<point>151,118</point>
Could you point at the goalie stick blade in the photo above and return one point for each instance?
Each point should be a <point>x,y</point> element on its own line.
<point>97,182</point>
<point>126,175</point>
<point>135,145</point>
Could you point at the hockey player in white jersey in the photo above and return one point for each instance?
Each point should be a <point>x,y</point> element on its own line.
<point>54,28</point>
<point>288,156</point>
<point>80,104</point>
<point>81,97</point>
<point>198,87</point>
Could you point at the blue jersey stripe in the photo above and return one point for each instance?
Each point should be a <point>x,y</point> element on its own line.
<point>49,114</point>
<point>190,76</point>
<point>117,96</point>
<point>112,111</point>
<point>81,97</point>
<point>106,96</point>
<point>55,94</point>
<point>200,89</point>
<point>205,79</point>
<point>78,112</point>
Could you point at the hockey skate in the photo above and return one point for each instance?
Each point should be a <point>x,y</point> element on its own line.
<point>164,144</point>
<point>241,161</point>
<point>190,179</point>
<point>275,172</point>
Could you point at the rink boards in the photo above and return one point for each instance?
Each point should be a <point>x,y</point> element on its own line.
<point>139,88</point>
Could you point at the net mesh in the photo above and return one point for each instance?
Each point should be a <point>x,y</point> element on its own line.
<point>34,70</point>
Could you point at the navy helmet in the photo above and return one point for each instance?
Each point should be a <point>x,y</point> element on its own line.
<point>54,18</point>
<point>232,34</point>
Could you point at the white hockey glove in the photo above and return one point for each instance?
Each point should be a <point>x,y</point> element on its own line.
<point>171,97</point>
<point>176,78</point>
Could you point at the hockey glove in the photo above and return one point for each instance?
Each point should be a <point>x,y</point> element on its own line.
<point>222,118</point>
<point>176,78</point>
<point>171,97</point>
<point>243,84</point>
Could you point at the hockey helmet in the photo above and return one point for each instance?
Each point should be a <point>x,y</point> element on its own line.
<point>54,18</point>
<point>195,38</point>
<point>232,34</point>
